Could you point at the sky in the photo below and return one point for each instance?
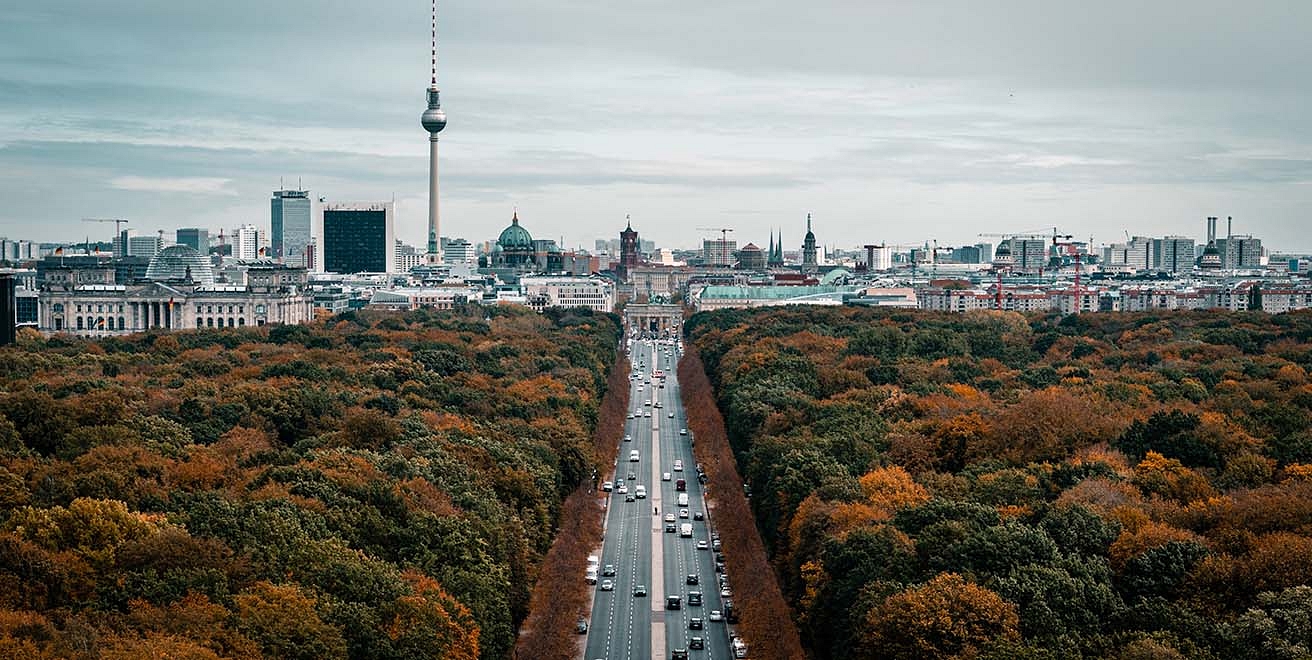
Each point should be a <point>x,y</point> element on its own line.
<point>890,122</point>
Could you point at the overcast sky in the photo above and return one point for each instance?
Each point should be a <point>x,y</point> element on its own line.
<point>894,122</point>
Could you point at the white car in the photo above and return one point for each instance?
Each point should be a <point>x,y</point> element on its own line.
<point>623,489</point>
<point>607,585</point>
<point>671,415</point>
<point>627,437</point>
<point>716,616</point>
<point>647,414</point>
<point>701,545</point>
<point>607,486</point>
<point>683,431</point>
<point>683,513</point>
<point>678,466</point>
<point>669,517</point>
<point>665,476</point>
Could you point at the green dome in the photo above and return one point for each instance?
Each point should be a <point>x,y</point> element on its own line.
<point>515,237</point>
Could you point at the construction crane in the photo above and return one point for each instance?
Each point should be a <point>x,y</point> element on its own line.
<point>118,223</point>
<point>724,231</point>
<point>1070,248</point>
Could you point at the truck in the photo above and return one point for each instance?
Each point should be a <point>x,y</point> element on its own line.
<point>685,530</point>
<point>681,484</point>
<point>683,499</point>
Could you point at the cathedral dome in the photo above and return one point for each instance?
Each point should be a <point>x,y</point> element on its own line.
<point>180,263</point>
<point>515,237</point>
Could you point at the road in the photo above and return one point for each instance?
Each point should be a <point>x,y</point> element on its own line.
<point>625,627</point>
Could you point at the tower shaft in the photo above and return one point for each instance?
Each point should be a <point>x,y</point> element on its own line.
<point>434,226</point>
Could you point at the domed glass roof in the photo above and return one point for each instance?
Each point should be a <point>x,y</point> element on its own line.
<point>515,237</point>
<point>835,275</point>
<point>180,262</point>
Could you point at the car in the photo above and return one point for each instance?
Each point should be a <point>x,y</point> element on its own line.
<point>630,415</point>
<point>678,466</point>
<point>672,602</point>
<point>695,623</point>
<point>609,571</point>
<point>640,591</point>
<point>581,626</point>
<point>665,476</point>
<point>683,431</point>
<point>632,475</point>
<point>698,515</point>
<point>628,438</point>
<point>715,616</point>
<point>683,513</point>
<point>656,405</point>
<point>647,414</point>
<point>647,403</point>
<point>701,545</point>
<point>726,593</point>
<point>624,488</point>
<point>691,579</point>
<point>630,498</point>
<point>607,585</point>
<point>671,415</point>
<point>695,598</point>
<point>669,517</point>
<point>715,545</point>
<point>669,527</point>
<point>607,486</point>
<point>696,643</point>
<point>678,654</point>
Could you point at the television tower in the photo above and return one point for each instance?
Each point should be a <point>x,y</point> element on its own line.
<point>434,120</point>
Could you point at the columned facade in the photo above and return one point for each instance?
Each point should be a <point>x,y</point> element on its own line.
<point>662,321</point>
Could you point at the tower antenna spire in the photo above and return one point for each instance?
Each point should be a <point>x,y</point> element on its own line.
<point>434,51</point>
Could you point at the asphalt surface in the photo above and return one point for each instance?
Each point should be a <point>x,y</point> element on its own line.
<point>625,627</point>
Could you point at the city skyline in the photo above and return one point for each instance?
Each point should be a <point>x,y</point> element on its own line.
<point>926,123</point>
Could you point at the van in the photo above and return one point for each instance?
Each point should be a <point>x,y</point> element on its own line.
<point>685,530</point>
<point>683,499</point>
<point>640,492</point>
<point>633,456</point>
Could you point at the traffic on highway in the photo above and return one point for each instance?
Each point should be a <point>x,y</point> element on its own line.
<point>660,588</point>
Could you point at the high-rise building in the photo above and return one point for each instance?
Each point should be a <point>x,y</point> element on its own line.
<point>628,249</point>
<point>718,252</point>
<point>433,121</point>
<point>358,238</point>
<point>967,254</point>
<point>1240,251</point>
<point>11,250</point>
<point>247,241</point>
<point>458,251</point>
<point>8,309</point>
<point>808,248</point>
<point>121,241</point>
<point>195,238</point>
<point>1028,255</point>
<point>145,246</point>
<point>289,222</point>
<point>1174,254</point>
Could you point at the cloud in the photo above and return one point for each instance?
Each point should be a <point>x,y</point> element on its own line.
<point>189,184</point>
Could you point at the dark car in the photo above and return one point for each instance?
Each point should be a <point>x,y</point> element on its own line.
<point>640,591</point>
<point>695,623</point>
<point>694,598</point>
<point>678,654</point>
<point>696,643</point>
<point>609,571</point>
<point>698,515</point>
<point>581,626</point>
<point>692,578</point>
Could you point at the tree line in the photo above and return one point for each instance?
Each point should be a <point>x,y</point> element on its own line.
<point>371,486</point>
<point>998,485</point>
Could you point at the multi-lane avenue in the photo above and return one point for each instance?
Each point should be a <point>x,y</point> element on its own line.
<point>638,548</point>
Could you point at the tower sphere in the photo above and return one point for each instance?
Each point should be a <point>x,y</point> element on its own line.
<point>433,119</point>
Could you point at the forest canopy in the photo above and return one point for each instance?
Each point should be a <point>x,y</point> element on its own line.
<point>995,485</point>
<point>370,486</point>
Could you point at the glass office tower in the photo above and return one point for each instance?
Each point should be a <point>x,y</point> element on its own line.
<point>290,222</point>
